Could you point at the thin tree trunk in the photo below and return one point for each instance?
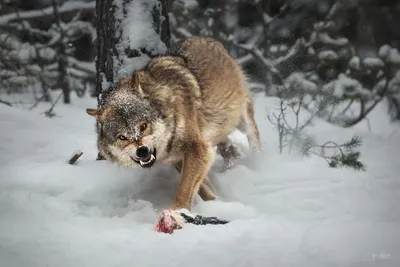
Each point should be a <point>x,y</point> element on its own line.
<point>62,58</point>
<point>105,34</point>
<point>161,22</point>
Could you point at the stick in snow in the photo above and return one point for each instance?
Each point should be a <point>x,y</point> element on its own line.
<point>201,220</point>
<point>75,156</point>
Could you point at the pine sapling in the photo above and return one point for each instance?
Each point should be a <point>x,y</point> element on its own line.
<point>294,134</point>
<point>341,155</point>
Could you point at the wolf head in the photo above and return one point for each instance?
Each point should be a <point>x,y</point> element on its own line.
<point>129,127</point>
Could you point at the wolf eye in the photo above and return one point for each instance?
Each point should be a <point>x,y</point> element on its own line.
<point>143,127</point>
<point>121,137</point>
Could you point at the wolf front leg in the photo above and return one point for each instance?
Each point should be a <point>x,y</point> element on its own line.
<point>197,161</point>
<point>206,191</point>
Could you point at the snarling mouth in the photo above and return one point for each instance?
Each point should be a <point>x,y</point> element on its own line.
<point>148,161</point>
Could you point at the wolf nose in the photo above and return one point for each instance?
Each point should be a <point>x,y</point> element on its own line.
<point>143,152</point>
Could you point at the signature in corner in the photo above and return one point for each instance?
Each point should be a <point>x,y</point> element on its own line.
<point>381,256</point>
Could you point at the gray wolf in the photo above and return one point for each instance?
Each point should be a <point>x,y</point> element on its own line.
<point>176,110</point>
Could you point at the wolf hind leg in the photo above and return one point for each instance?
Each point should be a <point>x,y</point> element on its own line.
<point>248,126</point>
<point>228,152</point>
<point>206,191</point>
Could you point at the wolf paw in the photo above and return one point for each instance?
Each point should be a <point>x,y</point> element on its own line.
<point>169,221</point>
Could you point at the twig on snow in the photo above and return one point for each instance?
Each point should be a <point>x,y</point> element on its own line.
<point>75,156</point>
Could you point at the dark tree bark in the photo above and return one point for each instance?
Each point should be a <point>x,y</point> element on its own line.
<point>62,60</point>
<point>104,45</point>
<point>162,26</point>
<point>108,34</point>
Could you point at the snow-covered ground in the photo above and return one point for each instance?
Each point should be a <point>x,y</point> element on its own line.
<point>285,210</point>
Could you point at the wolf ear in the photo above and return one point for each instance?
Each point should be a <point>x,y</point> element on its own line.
<point>93,112</point>
<point>136,84</point>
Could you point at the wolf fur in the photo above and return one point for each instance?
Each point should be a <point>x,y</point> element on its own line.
<point>180,106</point>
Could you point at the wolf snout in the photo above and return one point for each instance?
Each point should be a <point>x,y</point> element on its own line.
<point>143,152</point>
<point>145,156</point>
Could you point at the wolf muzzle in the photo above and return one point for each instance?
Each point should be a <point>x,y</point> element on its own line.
<point>145,156</point>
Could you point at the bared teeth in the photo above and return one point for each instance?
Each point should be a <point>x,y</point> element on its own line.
<point>152,157</point>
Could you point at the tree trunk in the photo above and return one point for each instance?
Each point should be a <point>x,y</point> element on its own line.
<point>62,58</point>
<point>104,48</point>
<point>109,33</point>
<point>118,52</point>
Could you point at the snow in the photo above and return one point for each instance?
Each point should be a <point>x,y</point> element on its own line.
<point>354,63</point>
<point>184,32</point>
<point>137,22</point>
<point>346,86</point>
<point>190,4</point>
<point>284,210</point>
<point>298,81</point>
<point>384,50</point>
<point>311,51</point>
<point>327,39</point>
<point>389,54</point>
<point>373,62</point>
<point>65,7</point>
<point>394,83</point>
<point>278,48</point>
<point>327,55</point>
<point>13,48</point>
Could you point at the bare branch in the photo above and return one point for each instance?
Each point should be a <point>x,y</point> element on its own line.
<point>75,156</point>
<point>365,111</point>
<point>69,6</point>
<point>5,103</point>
